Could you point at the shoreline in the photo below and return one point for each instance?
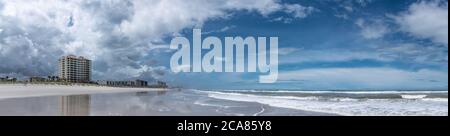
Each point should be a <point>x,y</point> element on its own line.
<point>39,90</point>
<point>24,99</point>
<point>153,103</point>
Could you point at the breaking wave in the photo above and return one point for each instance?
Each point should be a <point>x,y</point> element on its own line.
<point>406,104</point>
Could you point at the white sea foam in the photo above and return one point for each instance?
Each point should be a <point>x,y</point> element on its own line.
<point>202,103</point>
<point>347,106</point>
<point>260,112</point>
<point>339,92</point>
<point>435,99</point>
<point>413,96</point>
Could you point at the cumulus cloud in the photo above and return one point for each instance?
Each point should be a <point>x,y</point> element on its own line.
<point>117,34</point>
<point>298,10</point>
<point>367,78</point>
<point>287,51</point>
<point>372,29</point>
<point>427,20</point>
<point>349,7</point>
<point>224,29</point>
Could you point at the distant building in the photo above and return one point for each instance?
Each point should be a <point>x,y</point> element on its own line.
<point>159,84</point>
<point>37,79</point>
<point>136,83</point>
<point>141,83</point>
<point>53,79</point>
<point>44,79</point>
<point>8,79</point>
<point>75,69</point>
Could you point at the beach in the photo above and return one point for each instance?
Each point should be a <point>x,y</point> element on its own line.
<point>54,100</point>
<point>49,100</point>
<point>36,90</point>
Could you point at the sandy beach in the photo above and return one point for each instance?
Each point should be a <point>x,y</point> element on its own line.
<point>56,100</point>
<point>131,103</point>
<point>21,90</point>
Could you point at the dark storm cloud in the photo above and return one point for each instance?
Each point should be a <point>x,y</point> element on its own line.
<point>116,34</point>
<point>32,49</point>
<point>26,50</point>
<point>114,12</point>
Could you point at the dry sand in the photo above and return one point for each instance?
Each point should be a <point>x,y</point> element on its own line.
<point>21,90</point>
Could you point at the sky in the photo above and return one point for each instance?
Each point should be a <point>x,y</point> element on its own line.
<point>323,44</point>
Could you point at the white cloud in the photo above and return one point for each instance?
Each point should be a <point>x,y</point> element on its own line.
<point>411,53</point>
<point>285,20</point>
<point>286,51</point>
<point>224,29</point>
<point>363,2</point>
<point>116,34</point>
<point>347,8</point>
<point>427,20</point>
<point>372,30</point>
<point>367,78</point>
<point>298,11</point>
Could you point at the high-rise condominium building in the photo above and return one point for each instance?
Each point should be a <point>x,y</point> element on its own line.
<point>75,69</point>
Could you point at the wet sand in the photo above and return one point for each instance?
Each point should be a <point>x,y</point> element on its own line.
<point>22,90</point>
<point>153,103</point>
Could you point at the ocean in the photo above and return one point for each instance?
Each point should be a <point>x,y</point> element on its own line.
<point>347,103</point>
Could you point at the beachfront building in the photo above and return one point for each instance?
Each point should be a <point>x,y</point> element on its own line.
<point>141,83</point>
<point>53,79</point>
<point>159,84</point>
<point>8,79</point>
<point>135,83</point>
<point>37,79</point>
<point>75,69</point>
<point>3,78</point>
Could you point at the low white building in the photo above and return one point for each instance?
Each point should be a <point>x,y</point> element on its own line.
<point>135,83</point>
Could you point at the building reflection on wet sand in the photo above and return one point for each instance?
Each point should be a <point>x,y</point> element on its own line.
<point>83,105</point>
<point>77,105</point>
<point>151,103</point>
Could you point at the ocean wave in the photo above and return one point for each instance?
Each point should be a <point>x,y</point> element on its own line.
<point>202,103</point>
<point>346,106</point>
<point>338,92</point>
<point>435,99</point>
<point>413,96</point>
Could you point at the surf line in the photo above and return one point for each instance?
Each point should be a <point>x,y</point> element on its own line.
<point>233,59</point>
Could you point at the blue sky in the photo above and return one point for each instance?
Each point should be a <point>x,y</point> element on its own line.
<point>314,41</point>
<point>324,45</point>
